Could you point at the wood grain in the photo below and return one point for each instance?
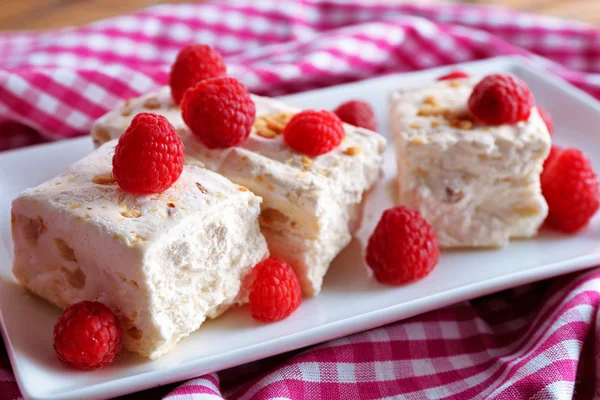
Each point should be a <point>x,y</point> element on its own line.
<point>582,10</point>
<point>48,14</point>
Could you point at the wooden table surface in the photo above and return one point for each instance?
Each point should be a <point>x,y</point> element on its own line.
<point>45,14</point>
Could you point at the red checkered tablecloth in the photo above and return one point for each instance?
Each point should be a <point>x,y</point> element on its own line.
<point>533,342</point>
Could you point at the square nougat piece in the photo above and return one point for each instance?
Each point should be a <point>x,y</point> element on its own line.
<point>479,186</point>
<point>311,205</point>
<point>163,263</point>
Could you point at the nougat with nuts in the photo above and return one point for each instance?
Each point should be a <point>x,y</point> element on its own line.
<point>311,205</point>
<point>478,186</point>
<point>162,262</point>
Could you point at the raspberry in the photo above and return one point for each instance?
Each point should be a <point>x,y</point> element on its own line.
<point>402,248</point>
<point>501,99</point>
<point>547,119</point>
<point>453,75</point>
<point>193,64</point>
<point>276,292</point>
<point>314,132</point>
<point>570,187</point>
<point>357,113</point>
<point>219,111</point>
<point>554,152</point>
<point>87,335</point>
<point>149,155</point>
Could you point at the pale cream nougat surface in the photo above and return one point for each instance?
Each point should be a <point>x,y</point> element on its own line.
<point>163,263</point>
<point>311,205</point>
<point>479,186</point>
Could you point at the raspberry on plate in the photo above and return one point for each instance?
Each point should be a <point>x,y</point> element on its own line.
<point>453,75</point>
<point>501,99</point>
<point>219,111</point>
<point>402,248</point>
<point>547,117</point>
<point>314,132</point>
<point>87,335</point>
<point>554,152</point>
<point>149,156</point>
<point>357,113</point>
<point>193,64</point>
<point>571,189</point>
<point>275,292</point>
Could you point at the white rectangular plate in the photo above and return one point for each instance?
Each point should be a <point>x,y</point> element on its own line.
<point>350,300</point>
